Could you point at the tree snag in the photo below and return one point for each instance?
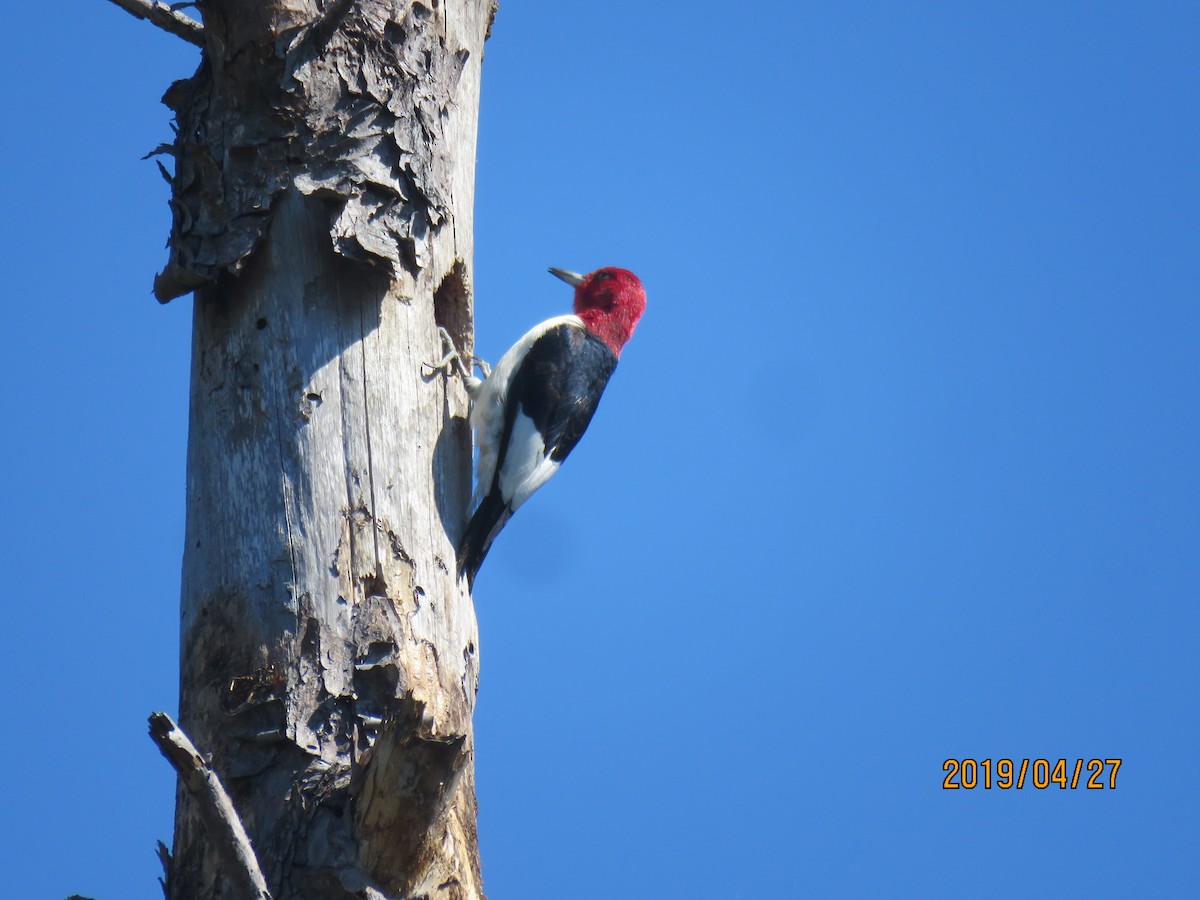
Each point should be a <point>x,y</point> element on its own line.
<point>224,825</point>
<point>322,214</point>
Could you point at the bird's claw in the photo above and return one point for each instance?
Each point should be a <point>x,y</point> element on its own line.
<point>452,363</point>
<point>449,363</point>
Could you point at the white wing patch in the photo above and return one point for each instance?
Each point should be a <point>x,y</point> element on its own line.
<point>526,464</point>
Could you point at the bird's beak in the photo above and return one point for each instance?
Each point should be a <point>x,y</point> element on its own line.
<point>570,278</point>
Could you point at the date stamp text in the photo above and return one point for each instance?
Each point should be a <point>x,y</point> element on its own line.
<point>1091,774</point>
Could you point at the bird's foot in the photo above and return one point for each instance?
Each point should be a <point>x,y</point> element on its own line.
<point>482,366</point>
<point>449,364</point>
<point>473,384</point>
<point>452,364</point>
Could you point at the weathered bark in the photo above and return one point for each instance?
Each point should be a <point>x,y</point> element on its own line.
<point>322,197</point>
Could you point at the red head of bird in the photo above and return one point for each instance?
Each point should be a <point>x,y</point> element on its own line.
<point>609,301</point>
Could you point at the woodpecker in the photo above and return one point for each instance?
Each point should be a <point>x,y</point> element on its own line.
<point>532,409</point>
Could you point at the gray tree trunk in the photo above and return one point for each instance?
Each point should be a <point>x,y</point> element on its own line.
<point>323,215</point>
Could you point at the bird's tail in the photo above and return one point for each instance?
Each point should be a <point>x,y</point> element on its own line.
<point>491,516</point>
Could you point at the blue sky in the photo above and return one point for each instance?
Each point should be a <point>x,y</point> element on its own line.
<point>900,466</point>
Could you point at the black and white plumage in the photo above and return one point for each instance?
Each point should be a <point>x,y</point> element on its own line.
<point>533,408</point>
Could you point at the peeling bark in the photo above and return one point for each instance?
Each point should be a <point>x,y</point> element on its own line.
<point>322,213</point>
<point>355,103</point>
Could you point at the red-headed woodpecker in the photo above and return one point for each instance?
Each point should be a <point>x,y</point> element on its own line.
<point>533,408</point>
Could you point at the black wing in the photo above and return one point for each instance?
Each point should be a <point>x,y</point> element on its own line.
<point>559,384</point>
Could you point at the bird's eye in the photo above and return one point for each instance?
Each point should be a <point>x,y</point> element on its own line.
<point>602,275</point>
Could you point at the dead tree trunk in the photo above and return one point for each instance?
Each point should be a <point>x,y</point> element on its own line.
<point>322,205</point>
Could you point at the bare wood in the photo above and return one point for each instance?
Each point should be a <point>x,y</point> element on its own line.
<point>222,820</point>
<point>323,195</point>
<point>166,18</point>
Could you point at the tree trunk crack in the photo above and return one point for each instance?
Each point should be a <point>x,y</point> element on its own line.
<point>366,401</point>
